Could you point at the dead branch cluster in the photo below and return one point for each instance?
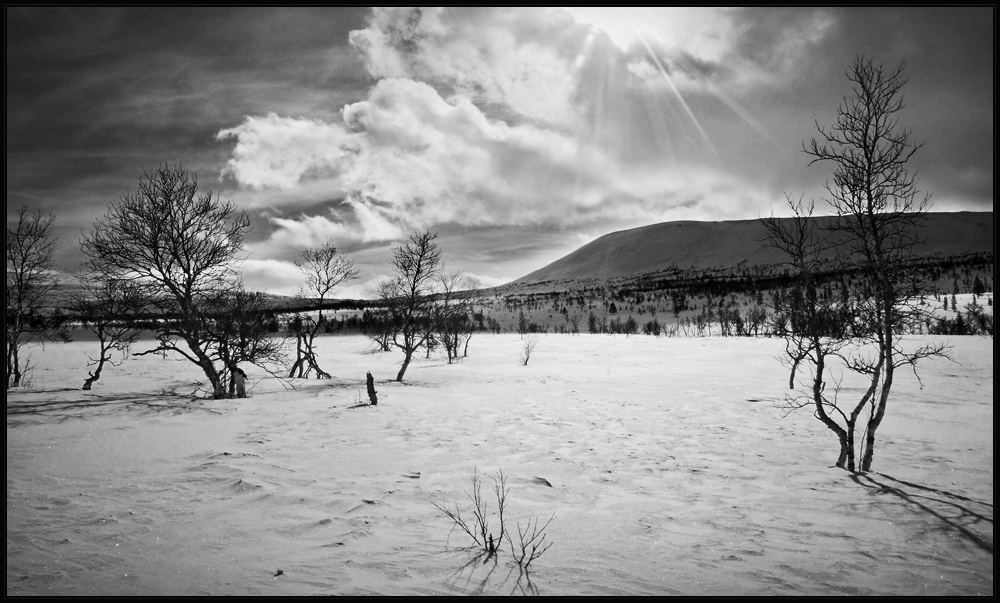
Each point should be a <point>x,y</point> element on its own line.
<point>531,540</point>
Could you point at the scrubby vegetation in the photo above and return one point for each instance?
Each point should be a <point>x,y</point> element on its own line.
<point>207,316</point>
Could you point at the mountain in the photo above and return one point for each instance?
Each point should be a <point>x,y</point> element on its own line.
<point>699,245</point>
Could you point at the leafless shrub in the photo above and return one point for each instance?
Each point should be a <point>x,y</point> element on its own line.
<point>531,541</point>
<point>478,527</point>
<point>527,347</point>
<point>27,372</point>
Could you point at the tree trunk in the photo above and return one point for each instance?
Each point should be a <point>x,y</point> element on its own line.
<point>846,451</point>
<point>96,374</point>
<point>13,366</point>
<point>372,398</point>
<point>297,366</point>
<point>846,443</point>
<point>320,373</point>
<point>310,355</point>
<point>206,364</point>
<point>402,369</point>
<point>218,388</point>
<point>850,447</point>
<point>874,422</point>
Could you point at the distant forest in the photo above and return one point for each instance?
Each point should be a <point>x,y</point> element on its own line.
<point>739,301</point>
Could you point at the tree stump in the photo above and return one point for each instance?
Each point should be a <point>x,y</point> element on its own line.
<point>372,398</point>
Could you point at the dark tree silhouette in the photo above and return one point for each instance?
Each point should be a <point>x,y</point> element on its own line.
<point>109,307</point>
<point>324,271</point>
<point>240,333</point>
<point>178,247</point>
<point>453,313</point>
<point>407,295</point>
<point>30,251</point>
<point>876,213</point>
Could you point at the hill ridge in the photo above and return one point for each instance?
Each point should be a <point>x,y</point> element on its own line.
<point>697,244</point>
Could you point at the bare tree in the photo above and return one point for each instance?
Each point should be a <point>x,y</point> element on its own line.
<point>324,270</point>
<point>453,320</point>
<point>980,322</point>
<point>407,295</point>
<point>377,325</point>
<point>109,307</point>
<point>478,528</point>
<point>815,332</point>
<point>527,348</point>
<point>472,298</point>
<point>179,247</point>
<point>240,334</point>
<point>31,249</point>
<point>877,212</point>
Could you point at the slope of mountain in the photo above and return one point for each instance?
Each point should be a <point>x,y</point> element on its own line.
<point>689,244</point>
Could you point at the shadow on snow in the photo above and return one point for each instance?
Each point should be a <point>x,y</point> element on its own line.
<point>956,512</point>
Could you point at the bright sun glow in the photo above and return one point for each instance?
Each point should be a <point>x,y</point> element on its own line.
<point>701,31</point>
<point>618,22</point>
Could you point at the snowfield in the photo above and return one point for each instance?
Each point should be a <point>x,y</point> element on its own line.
<point>665,460</point>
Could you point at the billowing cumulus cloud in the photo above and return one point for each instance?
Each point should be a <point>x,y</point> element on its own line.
<point>492,118</point>
<point>483,117</point>
<point>518,57</point>
<point>409,159</point>
<point>273,151</point>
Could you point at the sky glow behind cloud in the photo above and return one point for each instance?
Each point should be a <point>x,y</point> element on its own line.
<point>511,128</point>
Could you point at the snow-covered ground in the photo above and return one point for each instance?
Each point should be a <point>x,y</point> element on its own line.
<point>664,460</point>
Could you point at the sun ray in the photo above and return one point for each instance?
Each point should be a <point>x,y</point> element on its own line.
<point>677,93</point>
<point>730,102</point>
<point>661,130</point>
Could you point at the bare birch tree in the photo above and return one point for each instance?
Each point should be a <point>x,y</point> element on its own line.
<point>877,210</point>
<point>407,295</point>
<point>240,333</point>
<point>324,270</point>
<point>31,249</point>
<point>453,313</point>
<point>109,307</point>
<point>179,247</point>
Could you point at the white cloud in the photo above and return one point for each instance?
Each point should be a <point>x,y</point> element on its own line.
<point>644,71</point>
<point>275,151</point>
<point>366,290</point>
<point>487,281</point>
<point>476,121</point>
<point>275,276</point>
<point>492,55</point>
<point>419,160</point>
<point>309,231</point>
<point>306,231</point>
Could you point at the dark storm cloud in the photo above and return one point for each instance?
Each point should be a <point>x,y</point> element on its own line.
<point>104,78</point>
<point>949,62</point>
<point>96,95</point>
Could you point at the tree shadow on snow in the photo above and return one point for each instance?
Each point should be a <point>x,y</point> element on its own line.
<point>166,401</point>
<point>958,513</point>
<point>474,576</point>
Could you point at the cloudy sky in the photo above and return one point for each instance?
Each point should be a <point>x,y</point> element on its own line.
<point>517,134</point>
